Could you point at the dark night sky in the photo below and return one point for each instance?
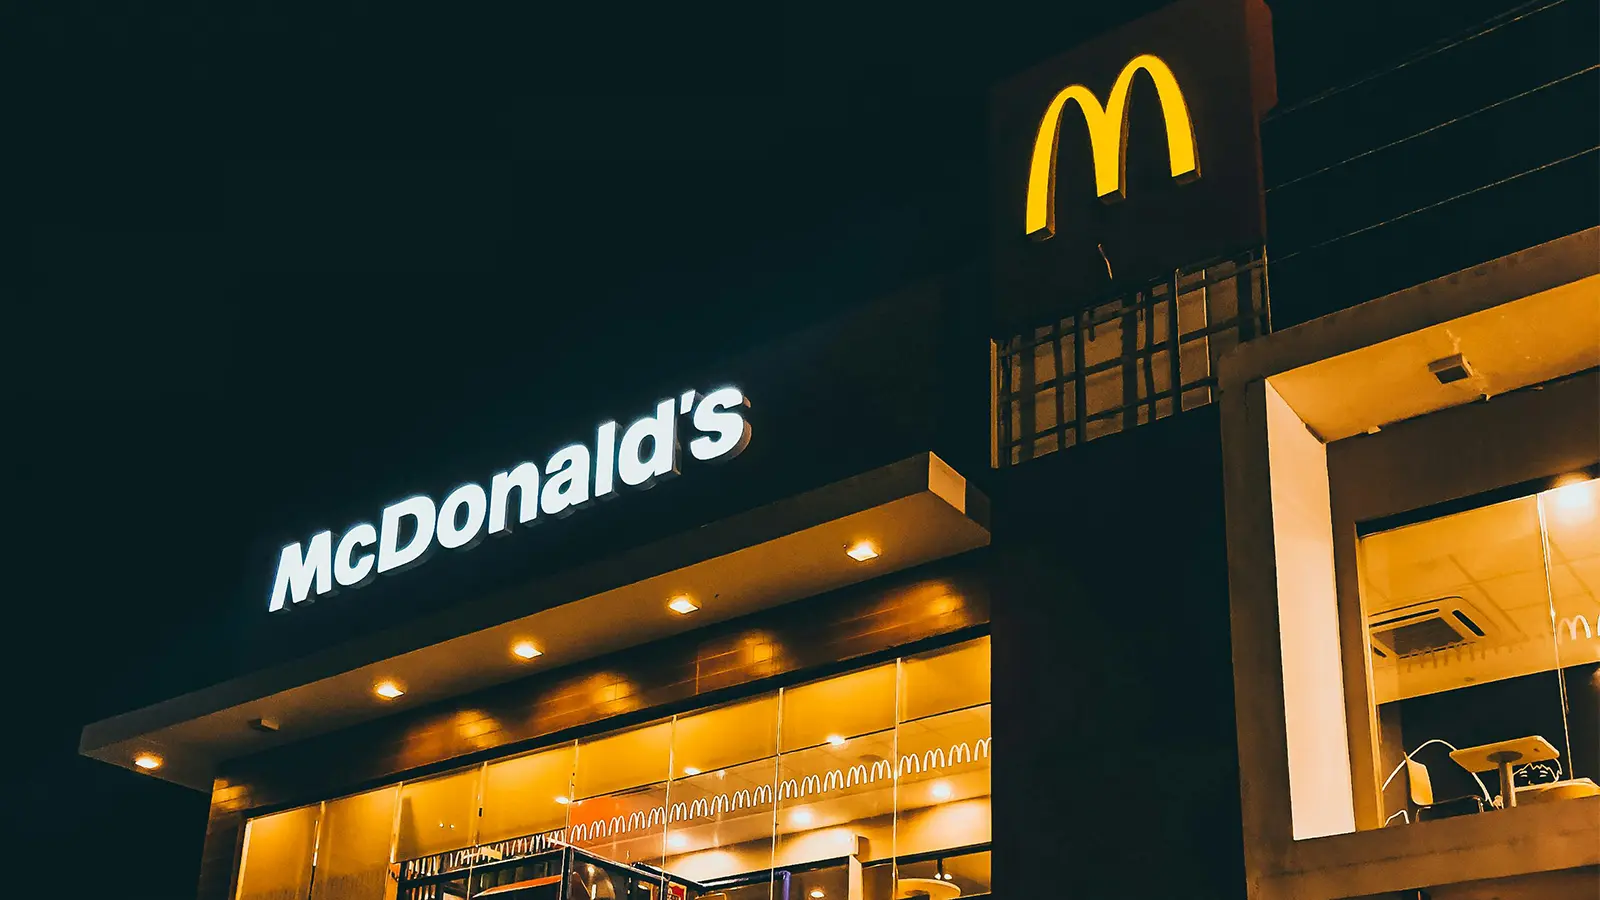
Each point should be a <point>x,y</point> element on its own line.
<point>275,253</point>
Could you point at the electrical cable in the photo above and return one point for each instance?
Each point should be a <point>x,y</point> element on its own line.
<point>1407,758</point>
<point>1429,130</point>
<point>1508,17</point>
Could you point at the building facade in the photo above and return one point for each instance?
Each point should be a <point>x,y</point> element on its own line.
<point>1249,612</point>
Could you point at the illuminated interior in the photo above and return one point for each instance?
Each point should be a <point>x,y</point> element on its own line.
<point>1483,629</point>
<point>868,785</point>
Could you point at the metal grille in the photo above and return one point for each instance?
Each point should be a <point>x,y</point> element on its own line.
<point>1108,367</point>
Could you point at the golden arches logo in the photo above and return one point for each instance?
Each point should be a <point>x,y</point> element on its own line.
<point>1108,140</point>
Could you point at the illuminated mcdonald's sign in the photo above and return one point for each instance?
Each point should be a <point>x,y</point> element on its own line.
<point>1108,140</point>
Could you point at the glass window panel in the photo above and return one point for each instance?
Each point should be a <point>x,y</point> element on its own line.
<point>840,707</point>
<point>1462,648</point>
<point>719,823</point>
<point>625,760</point>
<point>1572,520</point>
<point>527,794</point>
<point>727,736</point>
<point>438,814</point>
<point>943,797</point>
<point>277,855</point>
<point>353,847</point>
<point>948,679</point>
<point>968,873</point>
<point>834,797</point>
<point>626,827</point>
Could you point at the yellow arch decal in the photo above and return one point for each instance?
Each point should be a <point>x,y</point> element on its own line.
<point>1108,140</point>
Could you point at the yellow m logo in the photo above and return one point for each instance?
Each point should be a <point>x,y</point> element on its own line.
<point>1108,140</point>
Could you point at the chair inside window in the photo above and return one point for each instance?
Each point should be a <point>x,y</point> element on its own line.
<point>1420,787</point>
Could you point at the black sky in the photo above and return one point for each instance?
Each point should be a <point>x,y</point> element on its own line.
<point>279,254</point>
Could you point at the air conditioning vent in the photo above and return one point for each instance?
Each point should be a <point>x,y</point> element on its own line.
<point>1418,629</point>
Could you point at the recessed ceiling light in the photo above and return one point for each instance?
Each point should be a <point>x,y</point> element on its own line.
<point>817,894</point>
<point>836,740</point>
<point>147,761</point>
<point>677,841</point>
<point>861,551</point>
<point>682,605</point>
<point>941,790</point>
<point>526,650</point>
<point>690,770</point>
<point>801,817</point>
<point>563,801</point>
<point>388,690</point>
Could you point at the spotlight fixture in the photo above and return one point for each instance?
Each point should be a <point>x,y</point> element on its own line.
<point>861,551</point>
<point>388,690</point>
<point>147,761</point>
<point>526,650</point>
<point>836,740</point>
<point>690,770</point>
<point>816,894</point>
<point>563,800</point>
<point>682,605</point>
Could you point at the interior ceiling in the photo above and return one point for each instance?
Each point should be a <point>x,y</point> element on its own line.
<point>1528,341</point>
<point>928,520</point>
<point>1493,558</point>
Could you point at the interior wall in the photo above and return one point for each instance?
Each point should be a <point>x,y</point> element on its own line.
<point>1320,797</point>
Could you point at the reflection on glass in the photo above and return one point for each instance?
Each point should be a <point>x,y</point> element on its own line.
<point>725,736</point>
<point>527,794</point>
<point>838,708</point>
<point>629,759</point>
<point>1471,618</point>
<point>966,875</point>
<point>625,827</point>
<point>944,782</point>
<point>720,822</point>
<point>1571,515</point>
<point>704,802</point>
<point>353,846</point>
<point>837,800</point>
<point>953,678</point>
<point>438,814</point>
<point>277,855</point>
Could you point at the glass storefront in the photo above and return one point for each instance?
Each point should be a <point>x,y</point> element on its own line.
<point>869,785</point>
<point>1484,649</point>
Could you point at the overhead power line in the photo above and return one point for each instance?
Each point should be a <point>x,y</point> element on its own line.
<point>1488,26</point>
<point>1436,204</point>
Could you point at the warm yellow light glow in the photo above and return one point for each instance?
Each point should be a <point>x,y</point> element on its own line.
<point>677,841</point>
<point>690,770</point>
<point>563,801</point>
<point>1107,140</point>
<point>526,650</point>
<point>801,817</point>
<point>836,740</point>
<point>147,761</point>
<point>940,790</point>
<point>861,551</point>
<point>388,690</point>
<point>682,605</point>
<point>1573,497</point>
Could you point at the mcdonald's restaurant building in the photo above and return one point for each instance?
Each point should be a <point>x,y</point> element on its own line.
<point>1064,575</point>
